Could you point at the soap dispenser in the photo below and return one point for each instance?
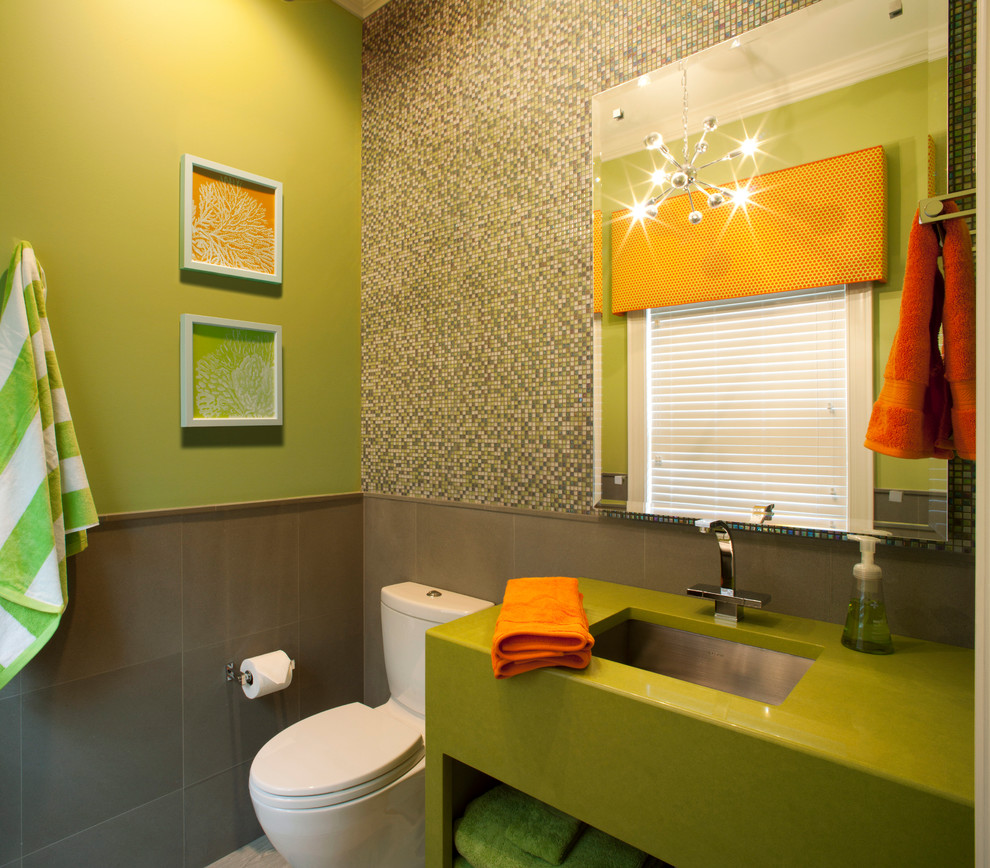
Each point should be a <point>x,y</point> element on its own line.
<point>866,622</point>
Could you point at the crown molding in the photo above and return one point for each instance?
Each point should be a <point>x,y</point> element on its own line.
<point>361,8</point>
<point>831,45</point>
<point>830,76</point>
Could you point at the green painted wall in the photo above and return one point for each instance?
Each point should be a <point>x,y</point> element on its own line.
<point>899,111</point>
<point>100,100</point>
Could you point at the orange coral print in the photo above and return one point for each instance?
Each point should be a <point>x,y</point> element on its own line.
<point>233,222</point>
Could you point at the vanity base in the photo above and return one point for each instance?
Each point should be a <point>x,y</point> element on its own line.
<point>691,775</point>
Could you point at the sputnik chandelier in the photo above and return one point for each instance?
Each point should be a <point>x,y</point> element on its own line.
<point>683,176</point>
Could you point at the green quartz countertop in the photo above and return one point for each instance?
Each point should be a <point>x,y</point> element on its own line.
<point>895,728</point>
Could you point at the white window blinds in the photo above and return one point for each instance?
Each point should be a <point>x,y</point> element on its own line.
<point>746,405</point>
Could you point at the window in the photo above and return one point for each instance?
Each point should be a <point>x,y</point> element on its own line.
<point>747,402</point>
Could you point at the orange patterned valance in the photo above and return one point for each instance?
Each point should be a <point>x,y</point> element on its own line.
<point>819,224</point>
<point>597,236</point>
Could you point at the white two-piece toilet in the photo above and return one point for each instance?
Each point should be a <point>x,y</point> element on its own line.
<point>345,788</point>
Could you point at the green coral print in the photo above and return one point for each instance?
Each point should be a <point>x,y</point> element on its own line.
<point>234,373</point>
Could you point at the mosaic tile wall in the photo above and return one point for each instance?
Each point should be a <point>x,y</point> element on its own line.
<point>961,175</point>
<point>476,265</point>
<point>476,262</point>
<point>962,100</point>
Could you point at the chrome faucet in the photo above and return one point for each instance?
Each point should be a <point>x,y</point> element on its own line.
<point>726,559</point>
<point>728,601</point>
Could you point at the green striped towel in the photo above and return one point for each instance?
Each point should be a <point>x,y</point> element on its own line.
<point>45,503</point>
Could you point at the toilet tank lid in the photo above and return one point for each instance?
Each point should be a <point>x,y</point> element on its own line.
<point>334,750</point>
<point>430,603</point>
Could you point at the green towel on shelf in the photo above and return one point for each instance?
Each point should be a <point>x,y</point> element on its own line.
<point>529,824</point>
<point>45,503</point>
<point>481,838</point>
<point>539,829</point>
<point>651,862</point>
<point>595,849</point>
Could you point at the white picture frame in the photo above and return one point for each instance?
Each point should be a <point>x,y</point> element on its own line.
<point>231,221</point>
<point>231,372</point>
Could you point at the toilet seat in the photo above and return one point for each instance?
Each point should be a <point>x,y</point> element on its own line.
<point>334,756</point>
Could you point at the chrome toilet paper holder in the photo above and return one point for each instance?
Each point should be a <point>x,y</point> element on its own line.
<point>232,674</point>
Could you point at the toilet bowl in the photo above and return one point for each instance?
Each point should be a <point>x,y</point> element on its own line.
<point>345,788</point>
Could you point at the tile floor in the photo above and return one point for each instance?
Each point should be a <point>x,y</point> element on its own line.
<point>257,854</point>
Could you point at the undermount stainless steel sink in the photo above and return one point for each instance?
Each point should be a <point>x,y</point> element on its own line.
<point>744,670</point>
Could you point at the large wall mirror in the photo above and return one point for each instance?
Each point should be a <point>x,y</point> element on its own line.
<point>840,79</point>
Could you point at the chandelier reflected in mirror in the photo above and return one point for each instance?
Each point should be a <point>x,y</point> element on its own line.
<point>684,175</point>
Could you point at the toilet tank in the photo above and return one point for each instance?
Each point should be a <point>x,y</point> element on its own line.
<point>409,609</point>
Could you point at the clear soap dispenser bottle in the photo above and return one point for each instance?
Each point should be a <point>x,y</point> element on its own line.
<point>866,622</point>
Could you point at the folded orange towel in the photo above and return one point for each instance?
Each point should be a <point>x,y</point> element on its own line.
<point>542,623</point>
<point>923,410</point>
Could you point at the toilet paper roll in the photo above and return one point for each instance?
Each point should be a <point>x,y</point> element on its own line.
<point>269,672</point>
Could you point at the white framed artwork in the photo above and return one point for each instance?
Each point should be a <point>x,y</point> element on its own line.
<point>231,372</point>
<point>231,221</point>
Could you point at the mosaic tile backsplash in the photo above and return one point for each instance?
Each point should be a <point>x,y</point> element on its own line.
<point>961,175</point>
<point>476,244</point>
<point>476,265</point>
